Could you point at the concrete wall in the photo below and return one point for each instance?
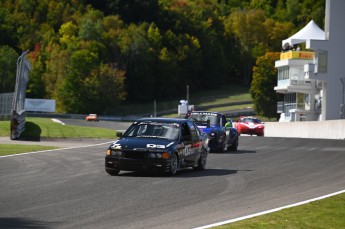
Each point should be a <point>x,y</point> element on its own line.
<point>331,129</point>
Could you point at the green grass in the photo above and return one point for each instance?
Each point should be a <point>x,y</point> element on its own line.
<point>9,149</point>
<point>221,99</point>
<point>228,108</point>
<point>322,214</point>
<point>37,128</point>
<point>227,94</point>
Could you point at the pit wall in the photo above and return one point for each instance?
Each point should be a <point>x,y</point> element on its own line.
<point>331,129</point>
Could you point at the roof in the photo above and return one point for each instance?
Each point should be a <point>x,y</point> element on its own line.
<point>310,32</point>
<point>166,120</point>
<point>205,112</point>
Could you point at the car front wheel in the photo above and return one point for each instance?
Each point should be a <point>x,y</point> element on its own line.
<point>202,161</point>
<point>234,145</point>
<point>173,164</point>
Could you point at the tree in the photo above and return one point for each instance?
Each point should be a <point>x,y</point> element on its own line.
<point>262,88</point>
<point>155,44</point>
<point>35,87</point>
<point>8,63</point>
<point>247,27</point>
<point>79,90</point>
<point>111,87</point>
<point>56,71</point>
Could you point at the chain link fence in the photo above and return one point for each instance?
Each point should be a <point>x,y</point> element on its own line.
<point>6,100</point>
<point>18,111</point>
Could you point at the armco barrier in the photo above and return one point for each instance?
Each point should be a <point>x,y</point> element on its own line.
<point>331,129</point>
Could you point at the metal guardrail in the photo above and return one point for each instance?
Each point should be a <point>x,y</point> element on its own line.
<point>18,112</point>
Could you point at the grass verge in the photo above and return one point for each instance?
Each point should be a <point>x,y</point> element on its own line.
<point>321,214</point>
<point>37,128</point>
<point>9,149</point>
<point>226,94</point>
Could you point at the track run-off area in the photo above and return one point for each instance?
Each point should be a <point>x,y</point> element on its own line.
<point>69,188</point>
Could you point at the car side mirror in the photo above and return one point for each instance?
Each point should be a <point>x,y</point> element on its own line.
<point>119,134</point>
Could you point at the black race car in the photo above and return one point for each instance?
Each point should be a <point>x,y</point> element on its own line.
<point>162,144</point>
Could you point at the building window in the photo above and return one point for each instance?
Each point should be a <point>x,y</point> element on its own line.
<point>283,73</point>
<point>289,103</point>
<point>321,61</point>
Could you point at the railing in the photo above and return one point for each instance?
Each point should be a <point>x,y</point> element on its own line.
<point>297,55</point>
<point>285,108</point>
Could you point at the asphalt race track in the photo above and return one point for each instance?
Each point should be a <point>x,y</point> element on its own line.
<point>70,189</point>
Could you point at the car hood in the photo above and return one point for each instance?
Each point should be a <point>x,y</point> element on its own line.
<point>134,143</point>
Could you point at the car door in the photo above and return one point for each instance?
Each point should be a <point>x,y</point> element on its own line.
<point>226,130</point>
<point>196,141</point>
<point>188,150</point>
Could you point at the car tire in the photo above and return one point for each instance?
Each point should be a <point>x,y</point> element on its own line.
<point>174,165</point>
<point>222,148</point>
<point>202,161</point>
<point>234,147</point>
<point>112,172</point>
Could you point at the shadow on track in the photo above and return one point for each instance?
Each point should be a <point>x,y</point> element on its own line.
<point>24,223</point>
<point>235,152</point>
<point>185,173</point>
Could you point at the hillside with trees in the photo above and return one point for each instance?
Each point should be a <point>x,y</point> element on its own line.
<point>92,55</point>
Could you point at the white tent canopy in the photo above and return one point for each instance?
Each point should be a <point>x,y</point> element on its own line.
<point>309,32</point>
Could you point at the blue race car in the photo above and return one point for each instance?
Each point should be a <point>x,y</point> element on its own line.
<point>220,132</point>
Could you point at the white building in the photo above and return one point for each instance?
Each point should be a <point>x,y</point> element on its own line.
<point>312,80</point>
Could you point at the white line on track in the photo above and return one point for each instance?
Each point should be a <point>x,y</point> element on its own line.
<point>269,211</point>
<point>43,151</point>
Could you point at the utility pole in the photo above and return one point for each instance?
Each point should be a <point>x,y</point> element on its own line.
<point>154,108</point>
<point>187,100</point>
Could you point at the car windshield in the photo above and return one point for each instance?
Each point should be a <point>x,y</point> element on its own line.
<point>203,117</point>
<point>168,131</point>
<point>251,120</point>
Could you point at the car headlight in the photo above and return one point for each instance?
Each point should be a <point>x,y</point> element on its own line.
<point>117,153</point>
<point>164,155</point>
<point>213,135</point>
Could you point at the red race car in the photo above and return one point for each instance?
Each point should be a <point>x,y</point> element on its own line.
<point>92,117</point>
<point>250,125</point>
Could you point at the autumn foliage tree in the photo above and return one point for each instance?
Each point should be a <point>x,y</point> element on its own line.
<point>92,55</point>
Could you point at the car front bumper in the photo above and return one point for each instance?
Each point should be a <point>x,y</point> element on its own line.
<point>252,131</point>
<point>127,164</point>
